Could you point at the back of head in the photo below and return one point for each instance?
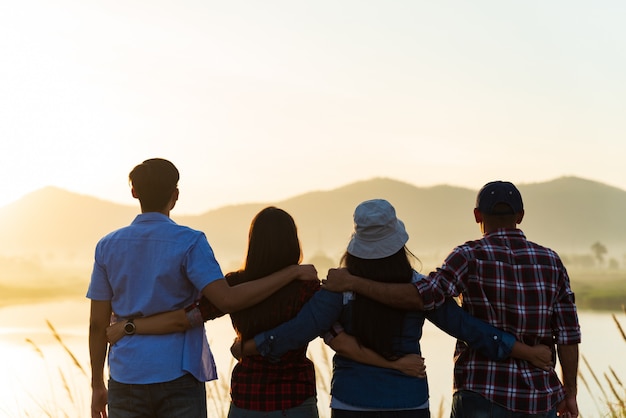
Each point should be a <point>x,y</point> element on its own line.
<point>154,181</point>
<point>377,246</point>
<point>378,233</point>
<point>500,205</point>
<point>377,252</point>
<point>499,198</point>
<point>272,243</point>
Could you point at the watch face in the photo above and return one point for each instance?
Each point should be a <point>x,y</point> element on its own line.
<point>129,328</point>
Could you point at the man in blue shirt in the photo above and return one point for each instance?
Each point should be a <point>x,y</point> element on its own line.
<point>151,266</point>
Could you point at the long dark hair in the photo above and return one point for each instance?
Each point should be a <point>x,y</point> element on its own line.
<point>373,324</point>
<point>272,245</point>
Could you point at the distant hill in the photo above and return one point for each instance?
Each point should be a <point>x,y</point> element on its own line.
<point>569,214</point>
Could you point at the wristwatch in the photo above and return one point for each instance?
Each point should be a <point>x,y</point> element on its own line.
<point>129,327</point>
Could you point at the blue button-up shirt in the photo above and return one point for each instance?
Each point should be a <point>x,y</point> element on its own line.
<point>152,266</point>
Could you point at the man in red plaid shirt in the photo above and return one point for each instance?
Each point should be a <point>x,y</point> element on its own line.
<point>512,283</point>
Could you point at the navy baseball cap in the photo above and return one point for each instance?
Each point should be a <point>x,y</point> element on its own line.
<point>496,192</point>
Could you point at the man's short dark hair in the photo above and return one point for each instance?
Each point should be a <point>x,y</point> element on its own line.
<point>154,181</point>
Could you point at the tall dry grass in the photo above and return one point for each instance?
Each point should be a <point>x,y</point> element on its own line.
<point>62,383</point>
<point>612,391</point>
<point>608,390</point>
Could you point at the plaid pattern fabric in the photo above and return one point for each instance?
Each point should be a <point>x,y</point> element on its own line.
<point>261,385</point>
<point>519,287</point>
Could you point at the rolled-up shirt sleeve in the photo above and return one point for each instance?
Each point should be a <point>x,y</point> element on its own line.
<point>565,317</point>
<point>315,318</point>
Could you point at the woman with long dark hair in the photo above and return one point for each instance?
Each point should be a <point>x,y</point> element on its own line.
<point>289,385</point>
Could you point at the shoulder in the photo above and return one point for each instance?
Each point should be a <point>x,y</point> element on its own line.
<point>184,229</point>
<point>116,234</point>
<point>417,277</point>
<point>465,251</point>
<point>310,285</point>
<point>187,234</point>
<point>302,290</point>
<point>536,247</point>
<point>543,248</point>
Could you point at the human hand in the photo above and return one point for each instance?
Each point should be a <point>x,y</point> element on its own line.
<point>307,272</point>
<point>115,332</point>
<point>99,400</point>
<point>541,357</point>
<point>236,349</point>
<point>568,407</point>
<point>337,280</point>
<point>411,364</point>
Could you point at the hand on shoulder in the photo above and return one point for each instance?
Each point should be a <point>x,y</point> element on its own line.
<point>307,272</point>
<point>337,280</point>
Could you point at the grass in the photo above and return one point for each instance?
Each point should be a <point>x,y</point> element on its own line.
<point>610,386</point>
<point>607,389</point>
<point>62,385</point>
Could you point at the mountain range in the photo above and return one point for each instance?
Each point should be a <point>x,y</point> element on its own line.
<point>52,226</point>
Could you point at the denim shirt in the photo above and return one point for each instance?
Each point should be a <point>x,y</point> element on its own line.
<point>361,385</point>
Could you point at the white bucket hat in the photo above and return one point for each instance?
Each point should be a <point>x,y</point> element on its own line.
<point>378,233</point>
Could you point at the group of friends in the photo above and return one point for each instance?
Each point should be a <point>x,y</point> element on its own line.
<point>154,284</point>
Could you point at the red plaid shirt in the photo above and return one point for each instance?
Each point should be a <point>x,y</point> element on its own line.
<point>520,287</point>
<point>260,385</point>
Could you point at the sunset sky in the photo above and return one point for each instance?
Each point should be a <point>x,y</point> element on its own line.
<point>263,100</point>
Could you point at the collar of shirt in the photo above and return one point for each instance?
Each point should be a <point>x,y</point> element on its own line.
<point>152,217</point>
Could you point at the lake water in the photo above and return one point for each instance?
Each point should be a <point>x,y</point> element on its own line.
<point>38,378</point>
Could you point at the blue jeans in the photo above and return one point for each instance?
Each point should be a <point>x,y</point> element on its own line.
<point>307,409</point>
<point>182,397</point>
<point>467,404</point>
<point>405,413</point>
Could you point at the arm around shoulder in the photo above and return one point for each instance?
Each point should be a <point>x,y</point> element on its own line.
<point>231,299</point>
<point>398,295</point>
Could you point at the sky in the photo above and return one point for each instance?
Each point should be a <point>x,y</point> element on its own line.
<point>258,101</point>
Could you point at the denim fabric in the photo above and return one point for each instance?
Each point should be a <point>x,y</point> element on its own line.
<point>354,383</point>
<point>182,397</point>
<point>315,318</point>
<point>479,335</point>
<point>407,413</point>
<point>467,404</point>
<point>372,387</point>
<point>307,409</point>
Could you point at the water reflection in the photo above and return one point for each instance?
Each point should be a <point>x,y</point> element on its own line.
<point>39,378</point>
